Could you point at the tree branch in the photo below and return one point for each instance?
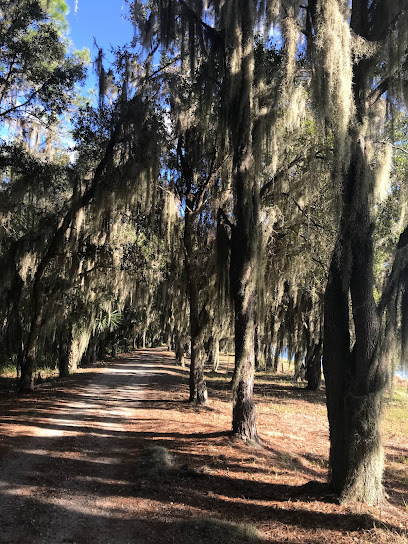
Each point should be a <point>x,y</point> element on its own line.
<point>226,219</point>
<point>265,188</point>
<point>399,267</point>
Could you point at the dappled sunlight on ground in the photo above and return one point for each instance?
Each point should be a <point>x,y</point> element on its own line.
<point>77,464</point>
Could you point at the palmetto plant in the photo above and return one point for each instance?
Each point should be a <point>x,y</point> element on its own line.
<point>108,321</point>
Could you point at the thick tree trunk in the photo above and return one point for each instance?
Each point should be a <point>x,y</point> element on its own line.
<point>90,354</point>
<point>63,350</point>
<point>243,250</point>
<point>277,357</point>
<point>198,388</point>
<point>13,341</point>
<point>355,379</point>
<point>243,415</point>
<point>244,235</point>
<point>68,362</point>
<point>298,365</point>
<point>268,357</point>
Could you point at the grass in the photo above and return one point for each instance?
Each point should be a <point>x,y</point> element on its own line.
<point>395,420</point>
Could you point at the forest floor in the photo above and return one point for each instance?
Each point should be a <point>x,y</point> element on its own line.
<point>114,455</point>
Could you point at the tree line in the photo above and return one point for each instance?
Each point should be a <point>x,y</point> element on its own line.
<point>240,182</point>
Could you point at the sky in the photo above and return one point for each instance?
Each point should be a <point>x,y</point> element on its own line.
<point>104,21</point>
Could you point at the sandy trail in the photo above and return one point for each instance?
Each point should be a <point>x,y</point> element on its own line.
<point>68,457</point>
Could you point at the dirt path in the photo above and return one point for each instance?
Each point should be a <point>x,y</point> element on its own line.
<point>66,470</point>
<point>114,455</point>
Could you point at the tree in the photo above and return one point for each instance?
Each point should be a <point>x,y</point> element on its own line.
<point>117,152</point>
<point>224,35</point>
<point>360,55</point>
<point>37,76</point>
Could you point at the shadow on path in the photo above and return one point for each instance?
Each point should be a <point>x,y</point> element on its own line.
<point>73,467</point>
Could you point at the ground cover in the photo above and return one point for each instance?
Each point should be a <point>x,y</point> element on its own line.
<point>115,454</point>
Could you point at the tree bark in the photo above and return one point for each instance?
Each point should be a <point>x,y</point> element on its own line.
<point>213,359</point>
<point>256,347</point>
<point>244,234</point>
<point>268,357</point>
<point>243,416</point>
<point>198,388</point>
<point>314,366</point>
<point>65,337</point>
<point>277,357</point>
<point>355,375</point>
<point>355,378</point>
<point>28,363</point>
<point>179,348</point>
<point>298,365</point>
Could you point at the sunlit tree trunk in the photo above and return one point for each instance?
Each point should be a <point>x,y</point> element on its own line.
<point>244,236</point>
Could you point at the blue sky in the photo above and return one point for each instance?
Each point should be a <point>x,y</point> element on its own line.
<point>103,21</point>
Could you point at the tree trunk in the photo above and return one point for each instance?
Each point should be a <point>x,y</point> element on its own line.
<point>277,357</point>
<point>198,388</point>
<point>355,379</point>
<point>268,357</point>
<point>68,362</point>
<point>65,338</point>
<point>28,363</point>
<point>13,341</point>
<point>243,236</point>
<point>243,415</point>
<point>314,366</point>
<point>298,365</point>
<point>90,354</point>
<point>213,359</point>
<point>179,349</point>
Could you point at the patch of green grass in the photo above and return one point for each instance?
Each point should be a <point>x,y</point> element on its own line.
<point>395,419</point>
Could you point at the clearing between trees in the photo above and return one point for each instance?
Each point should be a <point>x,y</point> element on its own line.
<point>114,454</point>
